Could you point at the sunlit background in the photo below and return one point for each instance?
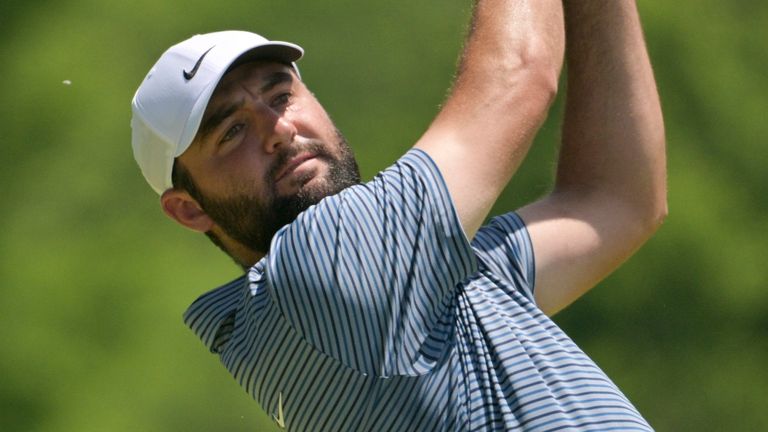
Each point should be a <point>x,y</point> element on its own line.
<point>95,278</point>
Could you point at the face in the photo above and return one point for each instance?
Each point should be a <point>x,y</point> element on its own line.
<point>266,150</point>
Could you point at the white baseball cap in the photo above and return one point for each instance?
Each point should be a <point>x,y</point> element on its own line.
<point>170,102</point>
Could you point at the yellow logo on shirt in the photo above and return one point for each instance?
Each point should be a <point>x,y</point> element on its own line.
<point>279,419</point>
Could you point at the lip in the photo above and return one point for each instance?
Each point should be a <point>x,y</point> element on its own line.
<point>293,163</point>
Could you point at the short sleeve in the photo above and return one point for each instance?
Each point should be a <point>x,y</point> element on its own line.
<point>504,247</point>
<point>368,276</point>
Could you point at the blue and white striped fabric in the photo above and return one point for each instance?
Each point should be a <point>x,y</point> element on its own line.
<point>372,312</point>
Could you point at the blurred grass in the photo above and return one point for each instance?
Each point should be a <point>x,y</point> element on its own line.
<point>97,278</point>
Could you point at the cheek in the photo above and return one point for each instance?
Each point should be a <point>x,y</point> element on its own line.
<point>240,173</point>
<point>319,115</point>
<point>310,113</point>
<point>320,127</point>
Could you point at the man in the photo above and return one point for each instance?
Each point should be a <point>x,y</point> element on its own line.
<point>365,306</point>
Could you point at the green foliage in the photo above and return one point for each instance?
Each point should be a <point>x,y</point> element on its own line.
<point>96,278</point>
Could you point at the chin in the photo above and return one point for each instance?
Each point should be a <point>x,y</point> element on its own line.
<point>316,188</point>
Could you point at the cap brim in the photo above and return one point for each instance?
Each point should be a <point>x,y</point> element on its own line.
<point>285,52</point>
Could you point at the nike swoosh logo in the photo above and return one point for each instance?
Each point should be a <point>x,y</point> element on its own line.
<point>191,74</point>
<point>279,419</point>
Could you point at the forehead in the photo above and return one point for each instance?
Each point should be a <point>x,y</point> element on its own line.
<point>246,76</point>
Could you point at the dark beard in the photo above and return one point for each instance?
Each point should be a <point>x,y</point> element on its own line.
<point>253,222</point>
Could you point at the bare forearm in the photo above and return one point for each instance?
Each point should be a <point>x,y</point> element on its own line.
<point>613,133</point>
<point>506,81</point>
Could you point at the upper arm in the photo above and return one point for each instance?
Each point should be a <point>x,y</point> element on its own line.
<point>480,138</point>
<point>578,239</point>
<point>507,79</point>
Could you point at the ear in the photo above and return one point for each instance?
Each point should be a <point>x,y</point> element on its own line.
<point>181,207</point>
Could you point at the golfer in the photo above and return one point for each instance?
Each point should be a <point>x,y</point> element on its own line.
<point>387,305</point>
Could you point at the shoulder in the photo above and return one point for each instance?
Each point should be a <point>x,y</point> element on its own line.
<point>206,314</point>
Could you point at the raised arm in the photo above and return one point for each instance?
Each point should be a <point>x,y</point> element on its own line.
<point>506,81</point>
<point>610,191</point>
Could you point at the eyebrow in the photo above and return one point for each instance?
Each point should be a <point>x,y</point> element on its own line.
<point>275,79</point>
<point>218,116</point>
<point>214,120</point>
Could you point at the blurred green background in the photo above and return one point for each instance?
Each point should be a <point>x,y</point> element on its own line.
<point>95,278</point>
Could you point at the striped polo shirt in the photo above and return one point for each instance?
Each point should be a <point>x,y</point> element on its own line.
<point>372,312</point>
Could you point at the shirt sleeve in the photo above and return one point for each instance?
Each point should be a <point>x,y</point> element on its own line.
<point>368,276</point>
<point>504,247</point>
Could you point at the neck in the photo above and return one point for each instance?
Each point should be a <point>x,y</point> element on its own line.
<point>247,258</point>
<point>243,256</point>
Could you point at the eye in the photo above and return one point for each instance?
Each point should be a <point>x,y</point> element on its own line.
<point>282,99</point>
<point>232,132</point>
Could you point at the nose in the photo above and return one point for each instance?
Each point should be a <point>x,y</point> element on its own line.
<point>283,132</point>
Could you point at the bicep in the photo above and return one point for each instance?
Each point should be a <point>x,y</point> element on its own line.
<point>480,138</point>
<point>506,81</point>
<point>578,239</point>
